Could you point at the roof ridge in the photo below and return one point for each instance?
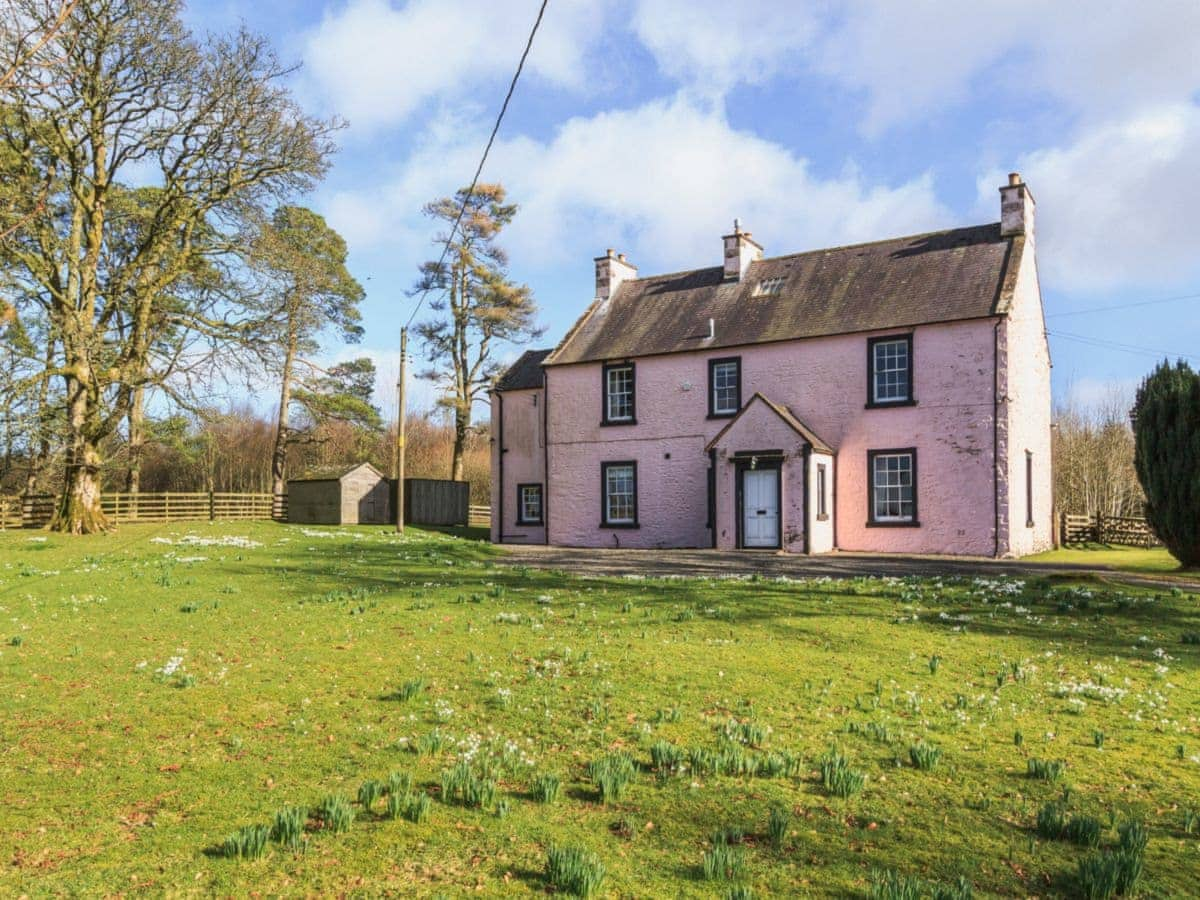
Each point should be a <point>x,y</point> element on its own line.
<point>835,249</point>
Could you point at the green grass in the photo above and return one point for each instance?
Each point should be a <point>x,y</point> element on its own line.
<point>138,738</point>
<point>1136,560</point>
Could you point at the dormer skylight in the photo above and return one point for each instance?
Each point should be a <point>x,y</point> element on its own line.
<point>769,287</point>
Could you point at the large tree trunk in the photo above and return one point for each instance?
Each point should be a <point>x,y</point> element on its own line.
<point>279,456</point>
<point>137,440</point>
<point>79,509</point>
<point>462,425</point>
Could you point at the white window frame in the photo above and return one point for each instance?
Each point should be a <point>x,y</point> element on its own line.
<point>890,365</point>
<point>896,479</point>
<point>733,385</point>
<point>626,471</point>
<point>626,394</point>
<point>523,516</point>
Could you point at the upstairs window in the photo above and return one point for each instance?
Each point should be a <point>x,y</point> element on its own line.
<point>724,386</point>
<point>892,477</point>
<point>529,504</point>
<point>618,482</point>
<point>889,371</point>
<point>619,396</point>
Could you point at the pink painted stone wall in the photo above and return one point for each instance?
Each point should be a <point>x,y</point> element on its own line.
<point>520,436</point>
<point>1027,405</point>
<point>823,381</point>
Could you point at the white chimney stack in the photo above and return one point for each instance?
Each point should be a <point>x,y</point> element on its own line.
<point>740,251</point>
<point>611,269</point>
<point>1016,207</point>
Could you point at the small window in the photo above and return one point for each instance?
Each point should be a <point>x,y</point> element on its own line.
<point>724,386</point>
<point>889,370</point>
<point>619,487</point>
<point>769,287</point>
<point>618,394</point>
<point>822,506</point>
<point>1028,488</point>
<point>529,504</point>
<point>892,476</point>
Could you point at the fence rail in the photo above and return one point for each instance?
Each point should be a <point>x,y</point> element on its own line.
<point>1101,529</point>
<point>37,510</point>
<point>479,516</point>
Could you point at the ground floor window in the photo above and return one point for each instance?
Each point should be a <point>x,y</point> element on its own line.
<point>892,480</point>
<point>618,484</point>
<point>1028,488</point>
<point>529,504</point>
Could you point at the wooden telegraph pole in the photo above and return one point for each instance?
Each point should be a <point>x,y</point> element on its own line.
<point>401,416</point>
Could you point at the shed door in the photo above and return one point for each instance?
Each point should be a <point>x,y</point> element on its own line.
<point>760,508</point>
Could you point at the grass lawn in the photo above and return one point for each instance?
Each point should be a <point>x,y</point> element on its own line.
<point>165,686</point>
<point>1140,560</point>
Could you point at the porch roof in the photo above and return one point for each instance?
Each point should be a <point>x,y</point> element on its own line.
<point>789,418</point>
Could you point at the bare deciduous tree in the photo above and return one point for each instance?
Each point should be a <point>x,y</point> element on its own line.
<point>130,87</point>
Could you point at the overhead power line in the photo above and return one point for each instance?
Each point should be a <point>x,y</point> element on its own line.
<point>1100,309</point>
<point>1106,344</point>
<point>483,159</point>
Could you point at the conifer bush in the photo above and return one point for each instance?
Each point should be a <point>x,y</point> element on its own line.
<point>1166,420</point>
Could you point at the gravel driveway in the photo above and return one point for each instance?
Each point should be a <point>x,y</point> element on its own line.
<point>699,563</point>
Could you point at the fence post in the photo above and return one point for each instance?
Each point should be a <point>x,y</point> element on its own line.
<point>212,507</point>
<point>1100,528</point>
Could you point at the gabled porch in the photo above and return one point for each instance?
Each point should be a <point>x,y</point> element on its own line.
<point>772,482</point>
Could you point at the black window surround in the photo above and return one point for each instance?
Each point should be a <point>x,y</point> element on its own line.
<point>604,404</point>
<point>522,519</point>
<point>1028,488</point>
<point>872,522</point>
<point>910,399</point>
<point>822,487</point>
<point>713,412</point>
<point>604,506</point>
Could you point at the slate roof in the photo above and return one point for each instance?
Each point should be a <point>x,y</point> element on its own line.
<point>963,273</point>
<point>526,372</point>
<point>789,418</point>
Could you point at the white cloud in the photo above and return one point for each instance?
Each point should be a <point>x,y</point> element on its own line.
<point>376,63</point>
<point>1117,205</point>
<point>911,61</point>
<point>663,182</point>
<point>713,45</point>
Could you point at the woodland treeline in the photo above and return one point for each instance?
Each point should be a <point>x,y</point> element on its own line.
<point>155,250</point>
<point>232,451</point>
<point>1093,458</point>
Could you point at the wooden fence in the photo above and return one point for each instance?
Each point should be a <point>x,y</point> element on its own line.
<point>37,510</point>
<point>479,516</point>
<point>1101,529</point>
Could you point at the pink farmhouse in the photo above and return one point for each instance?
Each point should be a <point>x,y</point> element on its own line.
<point>891,396</point>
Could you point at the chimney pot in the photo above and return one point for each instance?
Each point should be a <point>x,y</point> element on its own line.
<point>740,250</point>
<point>1016,207</point>
<point>612,269</point>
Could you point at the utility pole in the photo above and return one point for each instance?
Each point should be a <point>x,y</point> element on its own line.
<point>401,416</point>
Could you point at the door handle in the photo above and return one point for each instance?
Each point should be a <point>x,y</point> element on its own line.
<point>762,512</point>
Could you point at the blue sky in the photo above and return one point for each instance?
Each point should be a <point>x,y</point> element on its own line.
<point>648,125</point>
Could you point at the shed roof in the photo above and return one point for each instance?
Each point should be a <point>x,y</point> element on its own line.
<point>525,373</point>
<point>937,277</point>
<point>334,473</point>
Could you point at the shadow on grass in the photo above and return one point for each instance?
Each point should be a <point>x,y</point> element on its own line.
<point>334,569</point>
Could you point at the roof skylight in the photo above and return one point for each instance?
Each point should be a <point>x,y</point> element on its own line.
<point>769,287</point>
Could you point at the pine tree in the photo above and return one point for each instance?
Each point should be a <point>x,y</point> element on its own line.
<point>1166,424</point>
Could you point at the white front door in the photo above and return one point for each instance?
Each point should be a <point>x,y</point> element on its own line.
<point>760,508</point>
